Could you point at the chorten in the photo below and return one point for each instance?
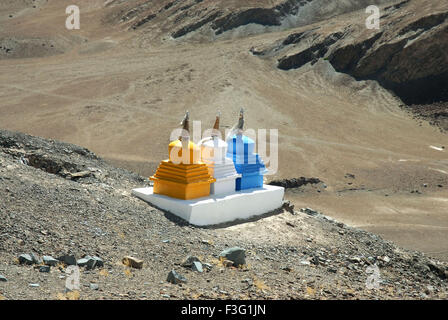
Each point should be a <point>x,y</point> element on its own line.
<point>247,163</point>
<point>222,168</point>
<point>183,175</point>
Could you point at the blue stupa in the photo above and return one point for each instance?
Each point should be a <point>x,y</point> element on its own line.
<point>240,149</point>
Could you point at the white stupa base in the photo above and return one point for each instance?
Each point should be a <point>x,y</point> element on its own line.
<point>224,185</point>
<point>216,209</point>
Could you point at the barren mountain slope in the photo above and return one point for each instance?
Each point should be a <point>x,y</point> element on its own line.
<point>120,91</point>
<point>59,199</point>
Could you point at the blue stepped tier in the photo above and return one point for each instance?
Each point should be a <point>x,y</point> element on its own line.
<point>247,163</point>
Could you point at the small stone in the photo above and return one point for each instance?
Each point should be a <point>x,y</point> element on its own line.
<point>188,262</point>
<point>208,266</point>
<point>227,263</point>
<point>25,259</point>
<point>90,262</point>
<point>175,278</point>
<point>3,279</point>
<point>69,260</point>
<point>287,206</point>
<point>165,241</point>
<point>50,261</point>
<point>166,296</point>
<point>305,263</point>
<point>236,255</point>
<point>44,269</point>
<point>309,211</point>
<point>355,259</point>
<point>34,285</point>
<point>133,262</point>
<point>287,268</point>
<point>197,266</point>
<point>82,262</point>
<point>94,286</point>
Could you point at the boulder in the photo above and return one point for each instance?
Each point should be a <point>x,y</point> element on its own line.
<point>236,255</point>
<point>175,278</point>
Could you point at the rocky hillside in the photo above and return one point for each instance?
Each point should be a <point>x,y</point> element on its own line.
<point>63,201</point>
<point>219,18</point>
<point>407,55</point>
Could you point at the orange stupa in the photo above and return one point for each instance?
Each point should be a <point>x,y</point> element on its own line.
<point>183,176</point>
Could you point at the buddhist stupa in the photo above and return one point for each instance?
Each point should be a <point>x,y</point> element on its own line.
<point>183,175</point>
<point>247,163</point>
<point>222,168</point>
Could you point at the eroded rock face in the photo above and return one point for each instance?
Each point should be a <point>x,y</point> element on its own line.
<point>413,63</point>
<point>407,55</point>
<point>180,18</point>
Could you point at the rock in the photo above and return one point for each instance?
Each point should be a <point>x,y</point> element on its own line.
<point>286,268</point>
<point>81,174</point>
<point>236,255</point>
<point>188,262</point>
<point>309,211</point>
<point>355,259</point>
<point>208,266</point>
<point>94,286</point>
<point>3,279</point>
<point>82,262</point>
<point>50,261</point>
<point>69,260</point>
<point>44,269</point>
<point>26,259</point>
<point>35,258</point>
<point>197,266</point>
<point>227,263</point>
<point>34,285</point>
<point>305,263</point>
<point>332,270</point>
<point>287,206</point>
<point>133,262</point>
<point>175,278</point>
<point>90,262</point>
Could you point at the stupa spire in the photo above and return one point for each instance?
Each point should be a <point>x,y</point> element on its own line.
<point>215,131</point>
<point>185,123</point>
<point>238,128</point>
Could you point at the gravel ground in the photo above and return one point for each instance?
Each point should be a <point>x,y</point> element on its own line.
<point>60,199</point>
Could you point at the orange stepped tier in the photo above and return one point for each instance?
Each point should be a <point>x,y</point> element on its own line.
<point>183,176</point>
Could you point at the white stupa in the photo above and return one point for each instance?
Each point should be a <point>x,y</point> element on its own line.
<point>222,168</point>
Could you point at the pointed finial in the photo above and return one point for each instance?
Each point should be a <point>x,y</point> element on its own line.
<point>185,123</point>
<point>216,125</point>
<point>240,124</point>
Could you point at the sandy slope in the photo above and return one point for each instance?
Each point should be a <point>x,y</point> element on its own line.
<point>120,97</point>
